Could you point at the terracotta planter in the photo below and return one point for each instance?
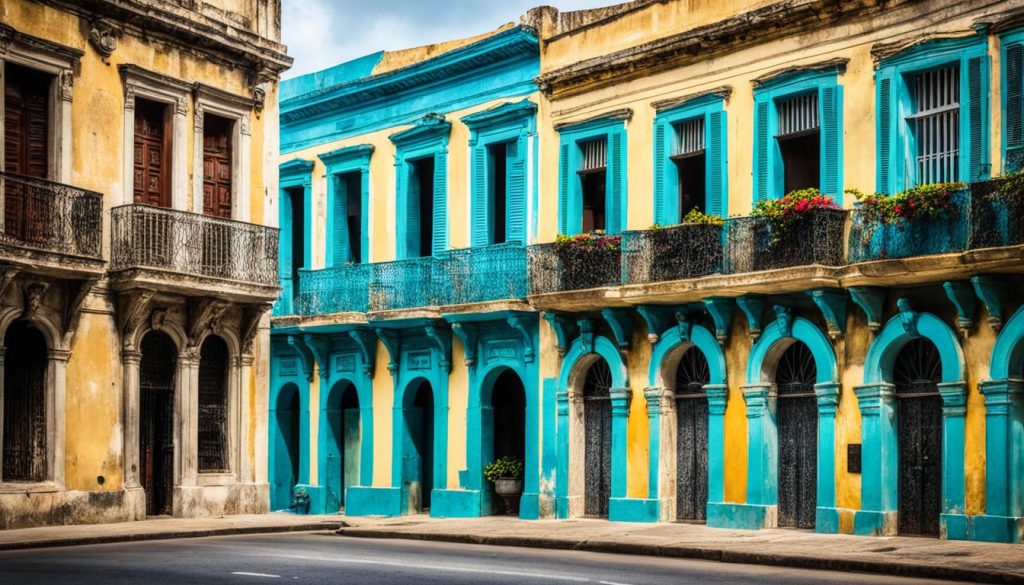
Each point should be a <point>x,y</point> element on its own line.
<point>509,490</point>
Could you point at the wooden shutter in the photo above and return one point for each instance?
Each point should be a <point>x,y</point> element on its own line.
<point>217,166</point>
<point>1014,107</point>
<point>976,110</point>
<point>761,150</point>
<point>339,222</point>
<point>440,236</point>
<point>616,191</point>
<point>660,130</point>
<point>26,121</point>
<point>885,133</point>
<point>481,228</point>
<point>563,189</point>
<point>408,174</point>
<point>831,137</point>
<point>515,210</point>
<point>717,197</point>
<point>150,182</point>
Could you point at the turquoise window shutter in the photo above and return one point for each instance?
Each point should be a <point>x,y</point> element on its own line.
<point>660,162</point>
<point>717,195</point>
<point>515,209</point>
<point>339,222</point>
<point>1014,114</point>
<point>440,239</point>
<point>977,96</point>
<point>885,123</point>
<point>563,189</point>
<point>761,150</point>
<point>616,190</point>
<point>831,105</point>
<point>479,192</point>
<point>407,175</point>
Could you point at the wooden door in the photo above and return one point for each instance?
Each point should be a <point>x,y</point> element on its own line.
<point>919,431</point>
<point>156,421</point>
<point>26,151</point>
<point>217,166</point>
<point>692,436</point>
<point>151,181</point>
<point>597,429</point>
<point>797,416</point>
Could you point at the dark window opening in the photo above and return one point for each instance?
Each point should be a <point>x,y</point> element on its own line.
<point>156,420</point>
<point>353,189</point>
<point>296,229</point>
<point>498,191</point>
<point>151,182</point>
<point>936,124</point>
<point>509,402</point>
<point>420,422</point>
<point>213,406</point>
<point>593,173</point>
<point>26,121</point>
<point>801,162</point>
<point>24,403</point>
<point>423,174</point>
<point>692,183</point>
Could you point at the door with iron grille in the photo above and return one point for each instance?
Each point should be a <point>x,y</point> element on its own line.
<point>692,436</point>
<point>916,374</point>
<point>157,371</point>
<point>797,418</point>
<point>24,404</point>
<point>597,429</point>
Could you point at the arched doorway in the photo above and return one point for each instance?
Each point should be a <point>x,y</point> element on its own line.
<point>418,460</point>
<point>24,414</point>
<point>916,374</point>
<point>508,402</point>
<point>597,433</point>
<point>285,474</point>
<point>157,372</point>
<point>692,374</point>
<point>213,406</point>
<point>343,446</point>
<point>797,418</point>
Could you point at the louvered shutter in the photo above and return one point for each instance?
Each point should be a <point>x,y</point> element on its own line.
<point>339,222</point>
<point>831,135</point>
<point>515,210</point>
<point>761,139</point>
<point>717,197</point>
<point>563,190</point>
<point>481,229</point>
<point>411,188</point>
<point>616,191</point>
<point>660,215</point>
<point>885,122</point>
<point>1014,107</point>
<point>440,237</point>
<point>976,112</point>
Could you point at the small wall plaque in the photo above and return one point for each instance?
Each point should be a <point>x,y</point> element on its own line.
<point>853,458</point>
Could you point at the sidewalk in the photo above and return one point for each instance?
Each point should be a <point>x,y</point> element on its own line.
<point>163,528</point>
<point>888,555</point>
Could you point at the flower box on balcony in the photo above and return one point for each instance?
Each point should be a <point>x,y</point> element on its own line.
<point>579,262</point>
<point>924,220</point>
<point>660,254</point>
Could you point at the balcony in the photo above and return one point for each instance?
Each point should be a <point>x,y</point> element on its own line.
<point>755,243</point>
<point>403,284</point>
<point>481,275</point>
<point>672,253</point>
<point>192,254</point>
<point>581,264</point>
<point>51,227</point>
<point>871,239</point>
<point>344,289</point>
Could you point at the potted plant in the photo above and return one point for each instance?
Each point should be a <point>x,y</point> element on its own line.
<point>506,473</point>
<point>799,228</point>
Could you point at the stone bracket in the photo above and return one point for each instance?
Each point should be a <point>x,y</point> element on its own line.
<point>720,310</point>
<point>995,294</point>
<point>684,325</point>
<point>753,307</point>
<point>132,310</point>
<point>34,293</point>
<point>961,294</point>
<point>565,328</point>
<point>392,343</point>
<point>441,338</point>
<point>588,333</point>
<point>520,324</point>
<point>7,277</point>
<point>74,308</point>
<point>870,300</point>
<point>657,318</point>
<point>832,304</point>
<point>320,348</point>
<point>784,318</point>
<point>251,317</point>
<point>204,314</point>
<point>468,334</point>
<point>367,344</point>
<point>304,354</point>
<point>621,323</point>
<point>908,316</point>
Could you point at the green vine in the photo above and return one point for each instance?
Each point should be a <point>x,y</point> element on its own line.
<point>504,468</point>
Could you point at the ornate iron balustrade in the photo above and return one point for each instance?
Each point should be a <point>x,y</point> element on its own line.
<point>561,267</point>
<point>50,217</point>
<point>672,253</point>
<point>334,290</point>
<point>753,243</point>
<point>402,284</point>
<point>997,213</point>
<point>873,240</point>
<point>193,244</point>
<point>482,274</point>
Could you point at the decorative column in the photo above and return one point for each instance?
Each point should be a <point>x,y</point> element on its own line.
<point>246,462</point>
<point>716,394</point>
<point>58,359</point>
<point>762,452</point>
<point>879,468</point>
<point>826,517</point>
<point>130,361</point>
<point>1,347</point>
<point>620,417</point>
<point>661,481</point>
<point>1004,463</point>
<point>562,437</point>
<point>188,417</point>
<point>953,520</point>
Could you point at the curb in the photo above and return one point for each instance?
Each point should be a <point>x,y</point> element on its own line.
<point>889,567</point>
<point>171,535</point>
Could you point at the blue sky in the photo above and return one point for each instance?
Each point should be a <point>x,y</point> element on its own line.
<point>321,33</point>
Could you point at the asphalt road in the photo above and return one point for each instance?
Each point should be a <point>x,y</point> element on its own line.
<point>325,558</point>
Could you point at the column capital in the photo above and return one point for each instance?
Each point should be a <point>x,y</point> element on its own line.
<point>717,395</point>
<point>954,398</point>
<point>659,401</point>
<point>130,356</point>
<point>620,401</point>
<point>562,403</point>
<point>759,399</point>
<point>871,397</point>
<point>60,355</point>
<point>1001,394</point>
<point>827,394</point>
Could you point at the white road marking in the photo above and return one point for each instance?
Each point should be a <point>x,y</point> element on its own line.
<point>611,583</point>
<point>244,574</point>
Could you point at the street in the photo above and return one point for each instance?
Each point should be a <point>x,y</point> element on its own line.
<point>325,558</point>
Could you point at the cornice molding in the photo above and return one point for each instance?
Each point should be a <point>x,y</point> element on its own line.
<point>1000,21</point>
<point>837,65</point>
<point>11,36</point>
<point>507,112</point>
<point>296,167</point>
<point>360,153</point>
<point>723,92</point>
<point>885,51</point>
<point>430,127</point>
<point>622,114</point>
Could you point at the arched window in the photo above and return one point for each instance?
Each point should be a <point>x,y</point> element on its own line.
<point>24,395</point>
<point>597,429</point>
<point>213,406</point>
<point>692,373</point>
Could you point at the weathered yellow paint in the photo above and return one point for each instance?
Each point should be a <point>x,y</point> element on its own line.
<point>736,415</point>
<point>458,402</point>
<point>638,446</point>
<point>314,425</point>
<point>393,60</point>
<point>977,349</point>
<point>383,415</point>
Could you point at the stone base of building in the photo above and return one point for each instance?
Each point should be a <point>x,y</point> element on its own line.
<point>875,523</point>
<point>458,503</point>
<point>827,520</point>
<point>568,506</point>
<point>634,510</point>
<point>373,501</point>
<point>213,501</point>
<point>50,507</point>
<point>996,529</point>
<point>742,516</point>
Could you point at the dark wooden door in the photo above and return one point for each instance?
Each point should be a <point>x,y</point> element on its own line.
<point>217,166</point>
<point>597,429</point>
<point>26,151</point>
<point>151,182</point>
<point>24,404</point>
<point>691,436</point>
<point>156,421</point>
<point>797,419</point>
<point>916,374</point>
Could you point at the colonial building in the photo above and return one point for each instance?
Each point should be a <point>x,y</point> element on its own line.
<point>788,292</point>
<point>138,183</point>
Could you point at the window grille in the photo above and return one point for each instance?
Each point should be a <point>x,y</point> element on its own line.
<point>689,138</point>
<point>936,124</point>
<point>798,115</point>
<point>595,155</point>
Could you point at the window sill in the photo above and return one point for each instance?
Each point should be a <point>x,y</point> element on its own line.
<point>212,479</point>
<point>29,487</point>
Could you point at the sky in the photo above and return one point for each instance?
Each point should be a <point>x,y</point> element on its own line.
<point>322,33</point>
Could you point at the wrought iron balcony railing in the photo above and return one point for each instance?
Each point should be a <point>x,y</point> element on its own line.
<point>997,213</point>
<point>672,253</point>
<point>50,217</point>
<point>334,290</point>
<point>481,274</point>
<point>561,267</point>
<point>192,244</point>
<point>871,239</point>
<point>402,284</point>
<point>754,243</point>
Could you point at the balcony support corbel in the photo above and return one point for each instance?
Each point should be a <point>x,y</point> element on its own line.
<point>367,344</point>
<point>251,317</point>
<point>753,308</point>
<point>658,319</point>
<point>392,343</point>
<point>588,334</point>
<point>995,294</point>
<point>304,354</point>
<point>566,329</point>
<point>832,304</point>
<point>468,334</point>
<point>961,294</point>
<point>440,337</point>
<point>870,300</point>
<point>7,278</point>
<point>519,323</point>
<point>133,309</point>
<point>73,312</point>
<point>621,323</point>
<point>720,310</point>
<point>205,315</point>
<point>319,347</point>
